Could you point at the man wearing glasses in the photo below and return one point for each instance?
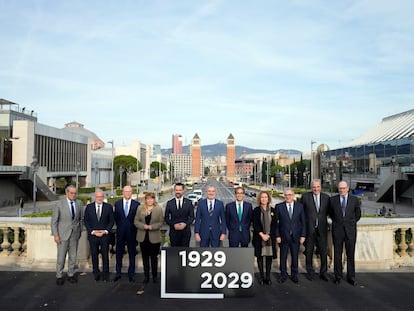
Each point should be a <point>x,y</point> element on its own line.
<point>238,220</point>
<point>67,218</point>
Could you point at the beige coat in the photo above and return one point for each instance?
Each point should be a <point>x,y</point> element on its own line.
<point>157,219</point>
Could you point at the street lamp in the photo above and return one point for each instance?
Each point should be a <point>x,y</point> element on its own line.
<point>77,168</point>
<point>121,170</point>
<point>112,168</point>
<point>267,172</point>
<point>96,174</point>
<point>350,170</point>
<point>394,190</point>
<point>331,176</point>
<point>311,163</point>
<point>296,177</point>
<point>35,167</point>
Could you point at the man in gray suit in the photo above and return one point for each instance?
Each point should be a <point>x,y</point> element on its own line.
<point>66,226</point>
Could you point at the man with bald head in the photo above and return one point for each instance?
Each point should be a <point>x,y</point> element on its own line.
<point>126,232</point>
<point>345,211</point>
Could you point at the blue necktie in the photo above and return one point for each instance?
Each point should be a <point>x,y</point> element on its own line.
<point>72,208</point>
<point>210,208</point>
<point>343,205</point>
<point>126,209</point>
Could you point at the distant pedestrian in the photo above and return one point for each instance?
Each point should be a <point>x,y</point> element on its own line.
<point>20,208</point>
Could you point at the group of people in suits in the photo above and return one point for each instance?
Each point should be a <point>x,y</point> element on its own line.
<point>288,224</point>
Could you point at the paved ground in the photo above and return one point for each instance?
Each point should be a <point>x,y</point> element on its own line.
<point>38,291</point>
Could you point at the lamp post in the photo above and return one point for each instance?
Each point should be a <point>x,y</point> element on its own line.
<point>267,172</point>
<point>96,174</point>
<point>35,167</point>
<point>77,168</point>
<point>296,176</point>
<point>311,163</point>
<point>350,170</point>
<point>121,170</point>
<point>112,167</point>
<point>331,175</point>
<point>394,190</point>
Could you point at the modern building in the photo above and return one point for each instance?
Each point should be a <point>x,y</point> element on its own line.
<point>379,164</point>
<point>177,144</point>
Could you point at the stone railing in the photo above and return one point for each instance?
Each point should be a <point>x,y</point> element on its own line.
<point>383,244</point>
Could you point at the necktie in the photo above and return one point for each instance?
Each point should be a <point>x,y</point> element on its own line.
<point>210,208</point>
<point>72,208</point>
<point>239,213</point>
<point>343,205</point>
<point>290,211</point>
<point>126,209</point>
<point>98,211</point>
<point>179,204</point>
<point>317,209</point>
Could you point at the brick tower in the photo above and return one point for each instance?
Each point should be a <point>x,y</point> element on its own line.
<point>195,157</point>
<point>231,157</point>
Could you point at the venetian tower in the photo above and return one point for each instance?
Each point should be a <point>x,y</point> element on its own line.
<point>231,158</point>
<point>195,157</point>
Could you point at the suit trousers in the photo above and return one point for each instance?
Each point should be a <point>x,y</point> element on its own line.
<point>150,251</point>
<point>285,246</point>
<point>210,239</point>
<point>350,257</point>
<point>100,245</point>
<point>320,240</point>
<point>180,238</point>
<point>69,247</point>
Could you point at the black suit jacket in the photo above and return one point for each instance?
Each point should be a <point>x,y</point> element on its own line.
<point>312,214</point>
<point>92,222</point>
<point>174,215</point>
<point>258,227</point>
<point>345,226</point>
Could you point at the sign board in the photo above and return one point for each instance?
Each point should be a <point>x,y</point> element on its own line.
<point>206,272</point>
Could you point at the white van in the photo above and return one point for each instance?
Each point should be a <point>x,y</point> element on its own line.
<point>199,193</point>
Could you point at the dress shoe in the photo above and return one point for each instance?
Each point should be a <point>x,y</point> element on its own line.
<point>59,281</point>
<point>268,282</point>
<point>105,278</point>
<point>97,277</point>
<point>282,279</point>
<point>337,280</point>
<point>352,282</point>
<point>117,278</point>
<point>131,279</point>
<point>310,276</point>
<point>72,279</point>
<point>324,277</point>
<point>295,279</point>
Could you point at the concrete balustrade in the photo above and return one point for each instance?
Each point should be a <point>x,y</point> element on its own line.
<point>382,244</point>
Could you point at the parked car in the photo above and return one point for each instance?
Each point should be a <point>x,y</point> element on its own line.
<point>199,193</point>
<point>193,198</point>
<point>250,193</point>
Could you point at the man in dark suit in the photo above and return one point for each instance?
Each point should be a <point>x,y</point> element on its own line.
<point>290,233</point>
<point>179,215</point>
<point>210,223</point>
<point>66,224</point>
<point>99,220</point>
<point>238,220</point>
<point>316,205</point>
<point>126,232</point>
<point>345,211</point>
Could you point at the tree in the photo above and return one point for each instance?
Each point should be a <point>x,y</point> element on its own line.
<point>125,162</point>
<point>155,169</point>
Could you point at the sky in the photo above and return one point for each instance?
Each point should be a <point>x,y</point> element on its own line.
<point>276,74</point>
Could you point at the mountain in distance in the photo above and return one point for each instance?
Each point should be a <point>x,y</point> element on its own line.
<point>220,149</point>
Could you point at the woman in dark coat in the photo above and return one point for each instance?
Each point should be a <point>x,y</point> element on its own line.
<point>264,239</point>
